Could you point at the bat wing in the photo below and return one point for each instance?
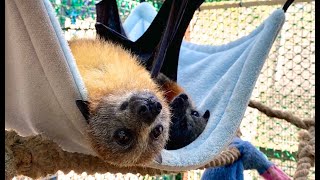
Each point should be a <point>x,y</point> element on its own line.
<point>84,108</point>
<point>158,48</point>
<point>143,47</point>
<point>109,34</point>
<point>108,14</point>
<point>166,55</point>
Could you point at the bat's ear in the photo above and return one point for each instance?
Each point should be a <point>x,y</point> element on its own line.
<point>84,108</point>
<point>158,159</point>
<point>206,115</point>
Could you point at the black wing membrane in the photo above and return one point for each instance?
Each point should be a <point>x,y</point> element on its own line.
<point>84,108</point>
<point>107,13</point>
<point>181,13</point>
<point>146,44</point>
<point>158,48</point>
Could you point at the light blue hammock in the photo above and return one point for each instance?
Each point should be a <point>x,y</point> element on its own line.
<point>42,88</point>
<point>218,78</point>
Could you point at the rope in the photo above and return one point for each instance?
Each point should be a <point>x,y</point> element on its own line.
<point>289,117</point>
<point>306,148</point>
<point>306,153</point>
<point>36,156</point>
<point>224,158</point>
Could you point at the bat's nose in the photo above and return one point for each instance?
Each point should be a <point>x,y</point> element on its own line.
<point>148,110</point>
<point>146,106</point>
<point>180,103</point>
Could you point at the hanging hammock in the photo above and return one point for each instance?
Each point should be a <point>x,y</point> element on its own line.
<point>42,81</point>
<point>218,78</point>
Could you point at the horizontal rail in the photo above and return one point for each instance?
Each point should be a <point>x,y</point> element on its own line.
<point>225,5</point>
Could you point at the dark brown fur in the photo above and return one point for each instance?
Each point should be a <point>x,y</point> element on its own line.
<point>186,122</point>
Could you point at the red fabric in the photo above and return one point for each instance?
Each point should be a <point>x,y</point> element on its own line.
<point>274,173</point>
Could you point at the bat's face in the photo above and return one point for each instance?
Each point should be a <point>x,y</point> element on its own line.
<point>187,123</point>
<point>129,128</point>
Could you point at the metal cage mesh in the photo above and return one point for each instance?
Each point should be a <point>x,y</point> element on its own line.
<point>287,80</point>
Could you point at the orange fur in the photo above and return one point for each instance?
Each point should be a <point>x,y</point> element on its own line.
<point>171,90</point>
<point>113,70</point>
<point>112,77</point>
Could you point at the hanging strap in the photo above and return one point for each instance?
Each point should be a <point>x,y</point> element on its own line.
<point>287,4</point>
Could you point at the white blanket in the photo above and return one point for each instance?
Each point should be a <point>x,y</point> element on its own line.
<point>40,90</point>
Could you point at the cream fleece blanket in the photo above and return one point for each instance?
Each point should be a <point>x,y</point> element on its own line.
<point>40,90</point>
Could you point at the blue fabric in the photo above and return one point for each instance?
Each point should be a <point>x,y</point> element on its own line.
<point>251,158</point>
<point>217,78</point>
<point>229,172</point>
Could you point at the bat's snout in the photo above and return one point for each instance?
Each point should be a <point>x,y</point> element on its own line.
<point>147,107</point>
<point>149,110</point>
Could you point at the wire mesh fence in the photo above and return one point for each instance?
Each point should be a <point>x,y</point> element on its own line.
<point>286,82</point>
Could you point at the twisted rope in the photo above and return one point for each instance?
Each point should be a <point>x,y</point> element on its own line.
<point>306,148</point>
<point>306,153</point>
<point>226,157</point>
<point>37,156</point>
<point>289,117</point>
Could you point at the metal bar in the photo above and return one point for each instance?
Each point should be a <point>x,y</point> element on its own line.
<point>225,5</point>
<point>279,154</point>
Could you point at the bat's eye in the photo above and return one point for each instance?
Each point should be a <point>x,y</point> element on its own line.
<point>124,105</point>
<point>157,131</point>
<point>123,137</point>
<point>195,113</point>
